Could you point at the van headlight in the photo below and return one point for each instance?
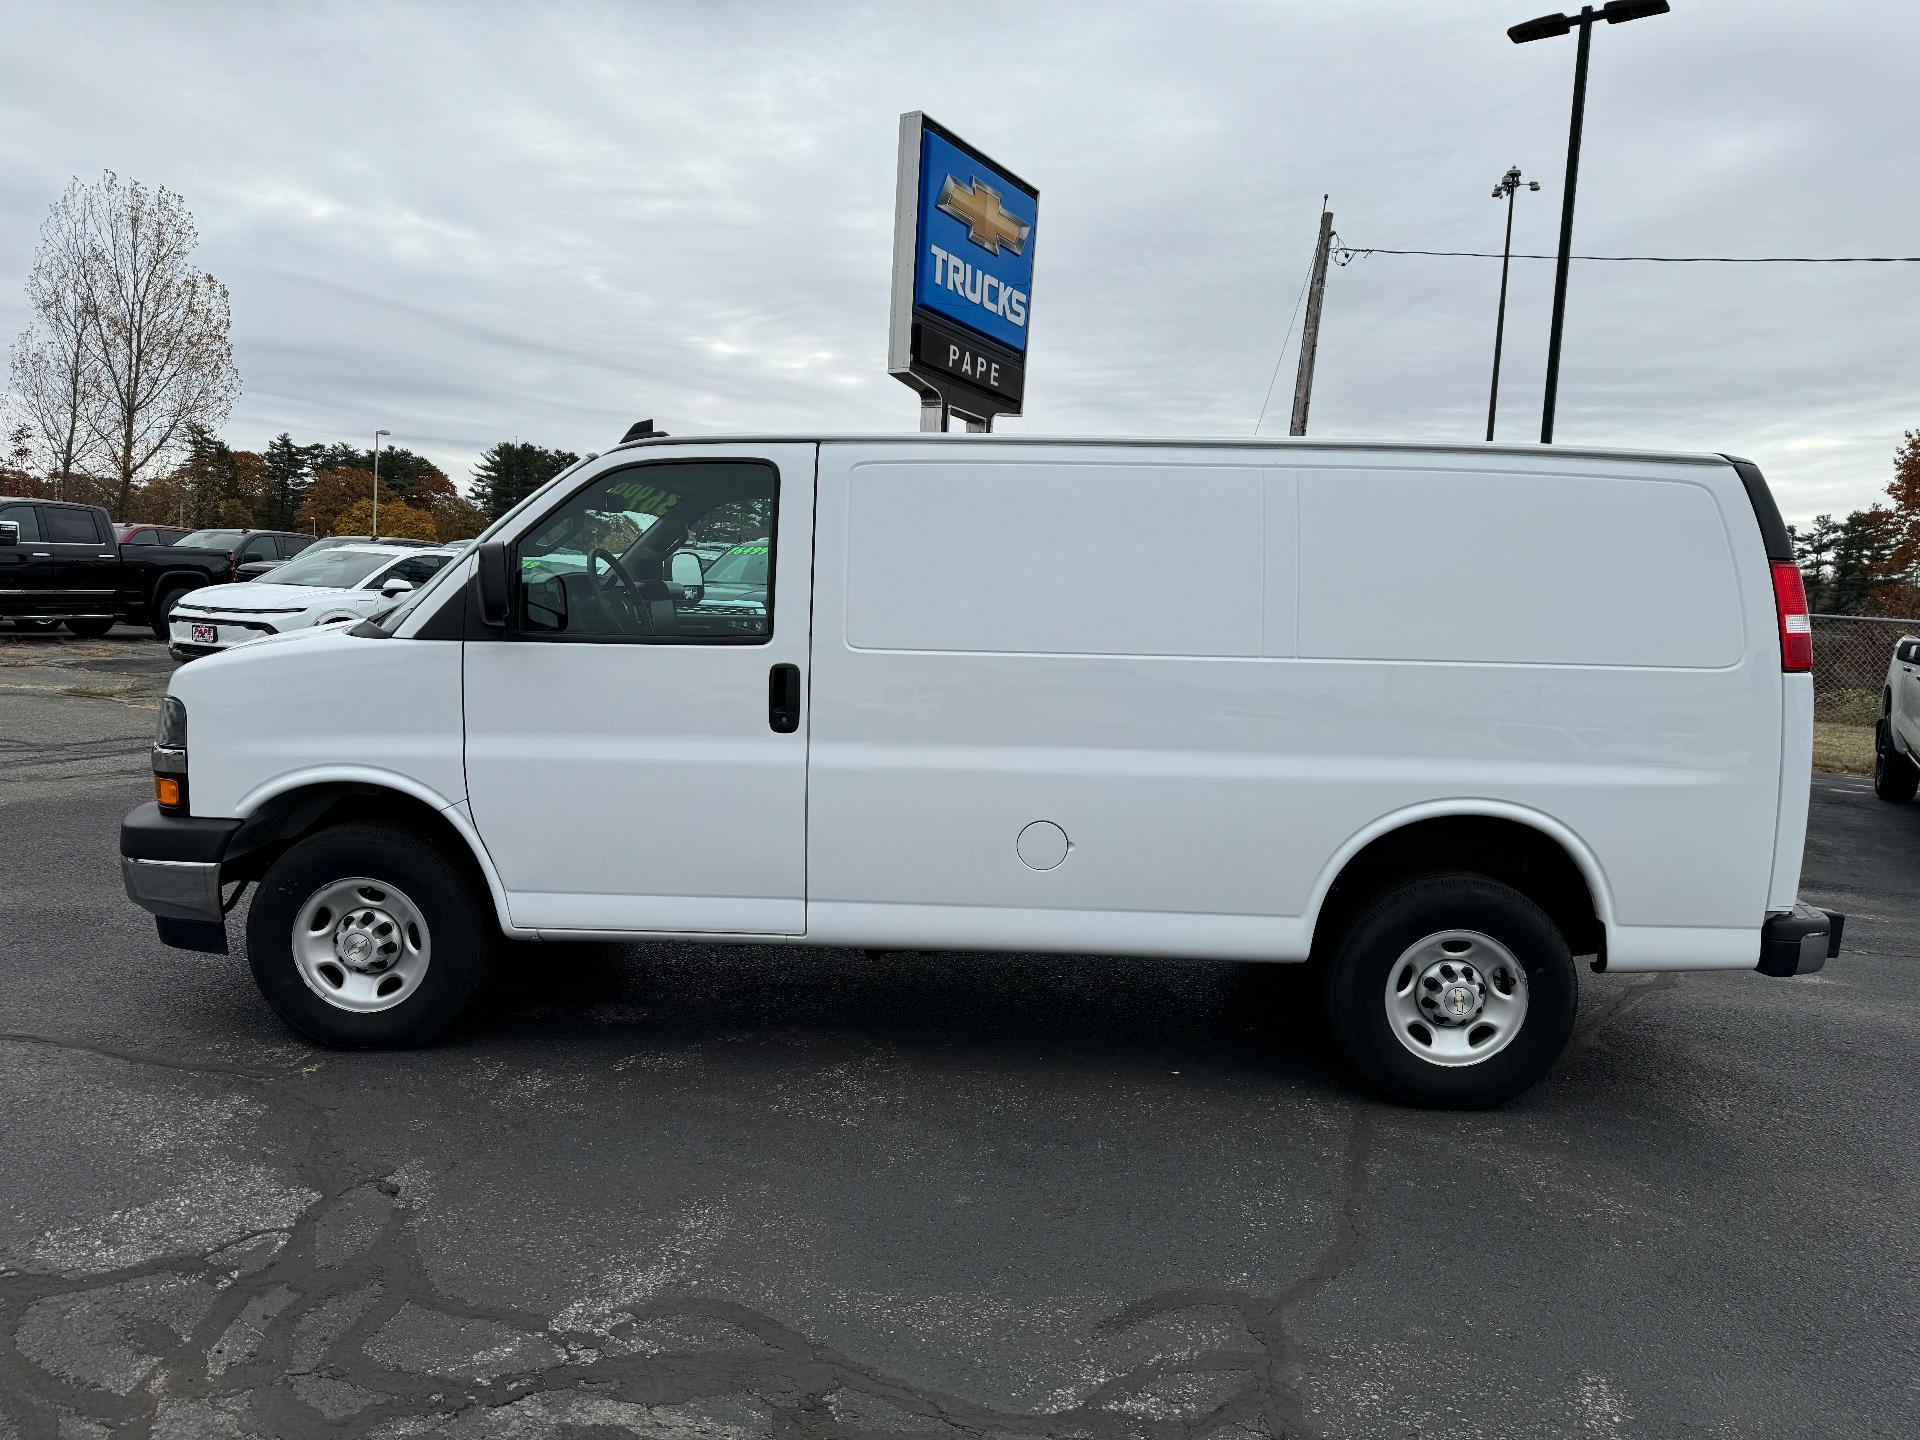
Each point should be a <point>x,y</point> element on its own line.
<point>170,758</point>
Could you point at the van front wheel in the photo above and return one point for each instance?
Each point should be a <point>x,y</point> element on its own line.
<point>1452,991</point>
<point>367,937</point>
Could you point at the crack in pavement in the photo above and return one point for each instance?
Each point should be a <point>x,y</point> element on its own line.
<point>1636,992</point>
<point>287,1340</point>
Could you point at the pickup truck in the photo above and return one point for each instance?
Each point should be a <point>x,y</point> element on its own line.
<point>59,562</point>
<point>1896,737</point>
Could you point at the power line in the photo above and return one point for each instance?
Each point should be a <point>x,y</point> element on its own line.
<point>1345,254</point>
<point>1280,359</point>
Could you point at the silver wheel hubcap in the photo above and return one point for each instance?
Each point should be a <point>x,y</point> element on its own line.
<point>1456,998</point>
<point>361,945</point>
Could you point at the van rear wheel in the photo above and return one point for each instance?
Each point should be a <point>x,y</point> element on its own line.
<point>1452,992</point>
<point>1895,776</point>
<point>368,936</point>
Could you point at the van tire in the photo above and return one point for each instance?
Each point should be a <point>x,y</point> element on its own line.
<point>163,603</point>
<point>1895,776</point>
<point>1393,926</point>
<point>420,882</point>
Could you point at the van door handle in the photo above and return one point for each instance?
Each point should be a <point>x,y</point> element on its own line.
<point>783,699</point>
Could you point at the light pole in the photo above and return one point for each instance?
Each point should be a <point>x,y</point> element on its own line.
<point>1614,12</point>
<point>1509,183</point>
<point>376,481</point>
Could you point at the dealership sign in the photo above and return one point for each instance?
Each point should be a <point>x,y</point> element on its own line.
<point>962,274</point>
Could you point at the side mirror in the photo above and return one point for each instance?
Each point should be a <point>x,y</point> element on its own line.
<point>9,532</point>
<point>1907,651</point>
<point>492,579</point>
<point>685,578</point>
<point>396,585</point>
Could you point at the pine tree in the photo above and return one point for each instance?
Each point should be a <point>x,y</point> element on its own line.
<point>1860,555</point>
<point>289,473</point>
<point>207,473</point>
<point>1815,551</point>
<point>513,470</point>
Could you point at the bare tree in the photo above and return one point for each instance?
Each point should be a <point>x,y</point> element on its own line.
<point>157,332</point>
<point>53,375</point>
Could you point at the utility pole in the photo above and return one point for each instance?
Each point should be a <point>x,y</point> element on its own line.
<point>1310,332</point>
<point>1509,183</point>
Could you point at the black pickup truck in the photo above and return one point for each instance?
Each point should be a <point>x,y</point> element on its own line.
<point>59,562</point>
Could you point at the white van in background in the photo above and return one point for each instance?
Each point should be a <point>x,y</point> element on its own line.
<point>1439,717</point>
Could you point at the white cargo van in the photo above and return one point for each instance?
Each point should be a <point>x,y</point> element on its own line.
<point>1438,717</point>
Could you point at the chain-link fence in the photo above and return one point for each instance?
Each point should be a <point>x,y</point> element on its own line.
<point>1850,655</point>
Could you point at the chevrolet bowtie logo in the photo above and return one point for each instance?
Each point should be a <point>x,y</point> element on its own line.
<point>978,208</point>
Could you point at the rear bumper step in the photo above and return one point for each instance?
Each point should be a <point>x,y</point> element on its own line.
<point>1800,941</point>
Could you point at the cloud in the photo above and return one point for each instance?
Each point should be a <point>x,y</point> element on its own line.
<point>469,221</point>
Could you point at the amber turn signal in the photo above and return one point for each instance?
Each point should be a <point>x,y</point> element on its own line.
<point>166,789</point>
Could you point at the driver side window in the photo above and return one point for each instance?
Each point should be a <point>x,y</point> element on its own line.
<point>638,556</point>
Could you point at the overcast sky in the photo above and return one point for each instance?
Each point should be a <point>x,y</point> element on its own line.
<point>464,222</point>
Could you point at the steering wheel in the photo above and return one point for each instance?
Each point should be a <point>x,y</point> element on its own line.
<point>630,609</point>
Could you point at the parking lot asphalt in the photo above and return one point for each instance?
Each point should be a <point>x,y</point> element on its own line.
<point>695,1191</point>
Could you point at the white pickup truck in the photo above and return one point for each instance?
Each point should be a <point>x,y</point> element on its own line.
<point>1896,738</point>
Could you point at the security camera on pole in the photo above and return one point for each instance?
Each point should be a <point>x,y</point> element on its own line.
<point>1509,183</point>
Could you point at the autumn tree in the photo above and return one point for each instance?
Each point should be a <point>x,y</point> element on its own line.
<point>54,378</point>
<point>513,470</point>
<point>329,491</point>
<point>14,477</point>
<point>157,329</point>
<point>398,520</point>
<point>402,471</point>
<point>458,519</point>
<point>246,488</point>
<point>1904,491</point>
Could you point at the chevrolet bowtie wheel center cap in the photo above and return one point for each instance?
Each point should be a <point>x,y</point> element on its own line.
<point>367,941</point>
<point>1451,993</point>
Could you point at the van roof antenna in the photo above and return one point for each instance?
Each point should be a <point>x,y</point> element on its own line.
<point>642,430</point>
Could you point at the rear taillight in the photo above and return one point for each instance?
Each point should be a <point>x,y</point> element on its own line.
<point>1796,625</point>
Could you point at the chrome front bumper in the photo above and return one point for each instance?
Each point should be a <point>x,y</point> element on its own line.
<point>174,889</point>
